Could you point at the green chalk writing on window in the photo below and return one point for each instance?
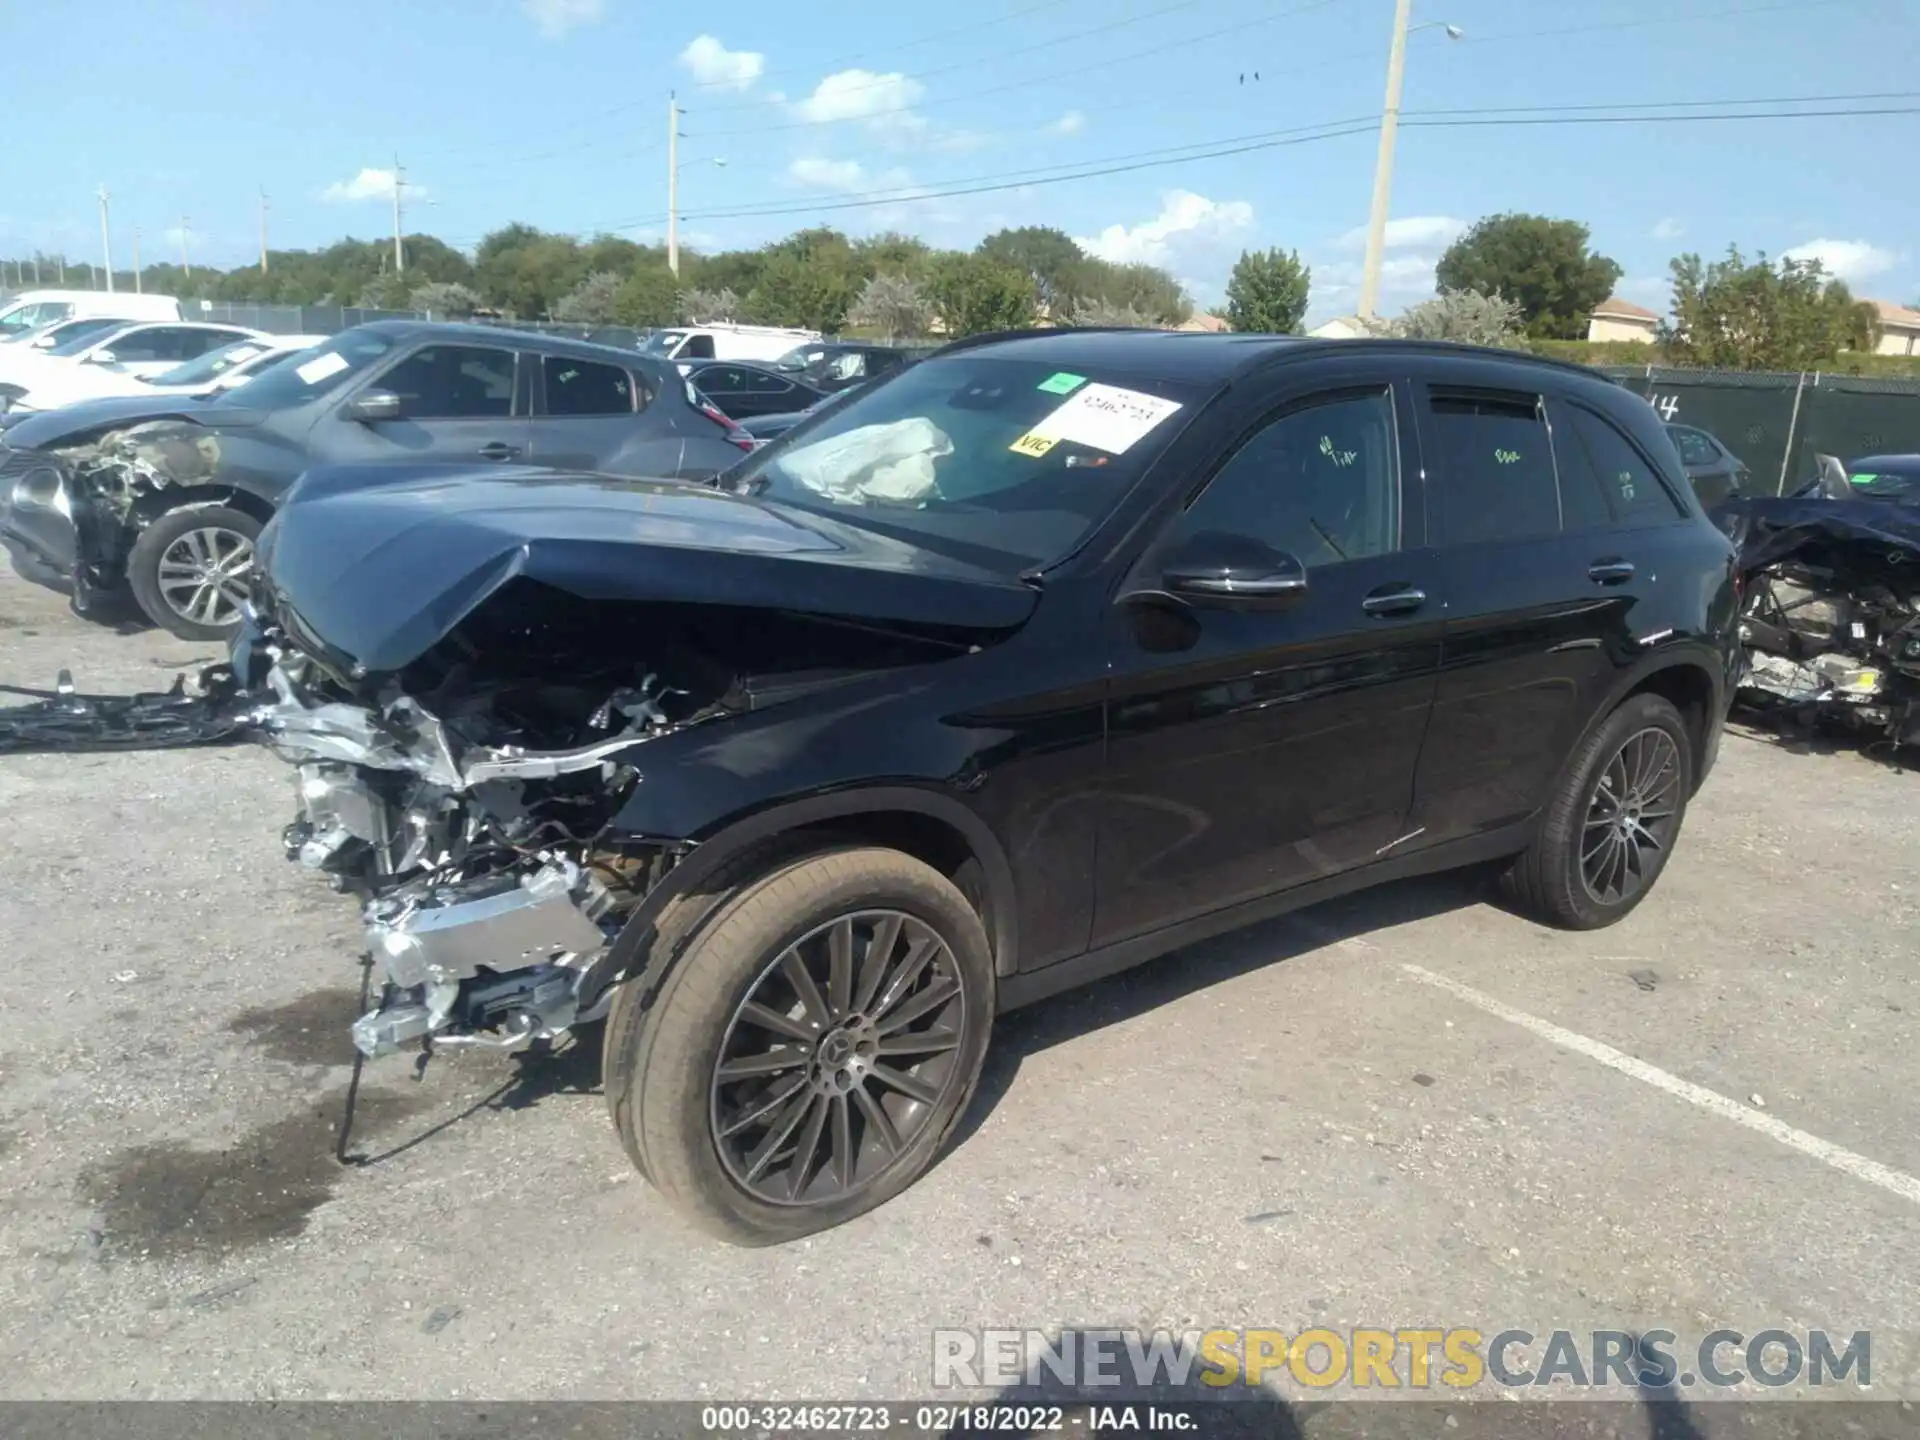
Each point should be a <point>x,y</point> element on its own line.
<point>1507,457</point>
<point>1342,458</point>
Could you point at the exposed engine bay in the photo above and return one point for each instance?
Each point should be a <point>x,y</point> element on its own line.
<point>1831,619</point>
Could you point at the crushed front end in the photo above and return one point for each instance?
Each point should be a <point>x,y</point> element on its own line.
<point>471,822</point>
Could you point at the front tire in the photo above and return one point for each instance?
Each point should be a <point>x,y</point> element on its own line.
<point>808,1057</point>
<point>1611,826</point>
<point>191,568</point>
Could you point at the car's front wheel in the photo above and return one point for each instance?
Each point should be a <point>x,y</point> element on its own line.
<point>1610,828</point>
<point>812,1050</point>
<point>191,568</point>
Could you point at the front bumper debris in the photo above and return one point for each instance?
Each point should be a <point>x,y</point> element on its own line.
<point>215,710</point>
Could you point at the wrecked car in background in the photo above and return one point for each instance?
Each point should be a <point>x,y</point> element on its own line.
<point>1831,619</point>
<point>167,497</point>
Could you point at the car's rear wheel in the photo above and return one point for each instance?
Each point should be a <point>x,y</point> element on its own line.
<point>191,569</point>
<point>1611,826</point>
<point>810,1053</point>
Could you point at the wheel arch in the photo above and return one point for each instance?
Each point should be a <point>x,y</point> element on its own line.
<point>930,826</point>
<point>151,506</point>
<point>1686,678</point>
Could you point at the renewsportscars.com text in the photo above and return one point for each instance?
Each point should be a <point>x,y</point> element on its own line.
<point>1406,1358</point>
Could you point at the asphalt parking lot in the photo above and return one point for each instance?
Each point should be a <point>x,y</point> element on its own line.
<point>1410,1107</point>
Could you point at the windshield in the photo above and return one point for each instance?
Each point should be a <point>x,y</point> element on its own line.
<point>63,330</point>
<point>1005,464</point>
<point>662,342</point>
<point>319,370</point>
<point>31,316</point>
<point>800,357</point>
<point>210,365</point>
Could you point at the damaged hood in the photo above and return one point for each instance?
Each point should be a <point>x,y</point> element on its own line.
<point>376,564</point>
<point>52,428</point>
<point>1769,529</point>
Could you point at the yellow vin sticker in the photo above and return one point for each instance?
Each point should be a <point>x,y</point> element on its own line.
<point>1032,444</point>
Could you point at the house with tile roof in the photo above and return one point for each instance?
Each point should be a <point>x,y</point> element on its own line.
<point>1617,319</point>
<point>1899,328</point>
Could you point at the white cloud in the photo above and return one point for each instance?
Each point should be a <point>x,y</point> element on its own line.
<point>1071,123</point>
<point>1404,280</point>
<point>369,184</point>
<point>1187,227</point>
<point>1850,260</point>
<point>1668,229</point>
<point>863,95</point>
<point>819,173</point>
<point>711,63</point>
<point>556,17</point>
<point>1412,230</point>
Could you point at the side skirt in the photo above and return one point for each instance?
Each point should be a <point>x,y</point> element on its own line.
<point>1024,989</point>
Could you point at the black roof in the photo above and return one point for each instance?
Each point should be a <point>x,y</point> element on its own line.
<point>1209,357</point>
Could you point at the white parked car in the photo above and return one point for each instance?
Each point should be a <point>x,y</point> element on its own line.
<point>724,342</point>
<point>216,371</point>
<point>45,337</point>
<point>69,372</point>
<point>33,308</point>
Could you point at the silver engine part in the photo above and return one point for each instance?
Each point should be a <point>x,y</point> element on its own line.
<point>517,925</point>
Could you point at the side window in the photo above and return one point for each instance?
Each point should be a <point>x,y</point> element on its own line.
<point>195,343</point>
<point>759,382</point>
<point>1607,480</point>
<point>698,347</point>
<point>579,387</point>
<point>721,380</point>
<point>1695,447</point>
<point>1321,483</point>
<point>137,346</point>
<point>453,382</point>
<point>1495,468</point>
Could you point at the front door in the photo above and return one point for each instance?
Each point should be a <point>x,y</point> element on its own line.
<point>457,402</point>
<point>1252,751</point>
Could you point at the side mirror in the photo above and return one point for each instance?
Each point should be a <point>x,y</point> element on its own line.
<point>1232,572</point>
<point>101,357</point>
<point>371,406</point>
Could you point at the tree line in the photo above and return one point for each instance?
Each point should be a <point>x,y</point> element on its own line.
<point>1512,279</point>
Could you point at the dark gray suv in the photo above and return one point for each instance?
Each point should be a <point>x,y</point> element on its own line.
<point>166,497</point>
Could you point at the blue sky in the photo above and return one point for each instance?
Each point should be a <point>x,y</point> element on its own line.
<point>555,112</point>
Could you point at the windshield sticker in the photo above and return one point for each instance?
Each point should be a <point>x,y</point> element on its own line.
<point>1034,444</point>
<point>1863,478</point>
<point>320,367</point>
<point>1062,383</point>
<point>1106,417</point>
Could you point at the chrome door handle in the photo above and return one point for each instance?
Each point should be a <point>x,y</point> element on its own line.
<point>1402,600</point>
<point>1610,571</point>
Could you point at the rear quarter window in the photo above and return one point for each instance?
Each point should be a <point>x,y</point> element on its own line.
<point>1605,480</point>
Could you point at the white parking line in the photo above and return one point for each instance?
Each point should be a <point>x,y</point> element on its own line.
<point>1906,1186</point>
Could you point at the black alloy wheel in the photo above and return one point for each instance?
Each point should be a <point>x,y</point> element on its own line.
<point>1631,816</point>
<point>841,1052</point>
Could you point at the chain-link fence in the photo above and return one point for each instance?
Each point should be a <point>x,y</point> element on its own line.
<point>329,319</point>
<point>1777,422</point>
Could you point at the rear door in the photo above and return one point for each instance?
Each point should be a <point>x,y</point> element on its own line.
<point>1539,599</point>
<point>584,411</point>
<point>1252,751</point>
<point>457,402</point>
<point>726,386</point>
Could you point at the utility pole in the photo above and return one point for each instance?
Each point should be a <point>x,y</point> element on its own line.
<point>136,261</point>
<point>61,261</point>
<point>399,252</point>
<point>673,182</point>
<point>1383,163</point>
<point>186,260</point>
<point>263,230</point>
<point>106,241</point>
<point>36,267</point>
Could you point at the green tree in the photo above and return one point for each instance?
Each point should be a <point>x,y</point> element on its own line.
<point>797,288</point>
<point>1543,265</point>
<point>894,306</point>
<point>972,294</point>
<point>1267,292</point>
<point>444,300</point>
<point>1740,315</point>
<point>1465,316</point>
<point>698,306</point>
<point>525,271</point>
<point>891,254</point>
<point>1145,289</point>
<point>735,270</point>
<point>1106,313</point>
<point>591,302</point>
<point>1048,257</point>
<point>649,296</point>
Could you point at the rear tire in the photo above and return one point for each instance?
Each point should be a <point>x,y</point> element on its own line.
<point>830,1103</point>
<point>191,567</point>
<point>1611,825</point>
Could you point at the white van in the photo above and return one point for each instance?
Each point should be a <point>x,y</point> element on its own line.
<point>724,342</point>
<point>33,308</point>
